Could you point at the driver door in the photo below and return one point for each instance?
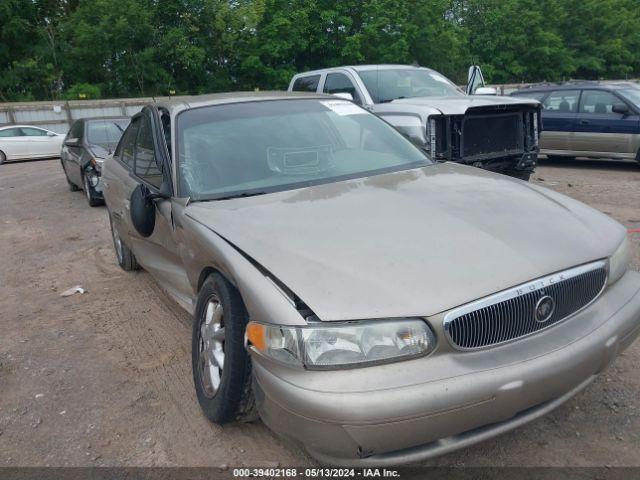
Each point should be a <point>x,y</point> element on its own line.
<point>157,253</point>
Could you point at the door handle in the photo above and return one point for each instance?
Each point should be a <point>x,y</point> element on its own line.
<point>584,122</point>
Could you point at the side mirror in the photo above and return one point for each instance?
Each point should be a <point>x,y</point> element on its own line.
<point>143,210</point>
<point>51,134</point>
<point>486,91</point>
<point>620,108</point>
<point>345,95</point>
<point>475,79</point>
<point>72,142</point>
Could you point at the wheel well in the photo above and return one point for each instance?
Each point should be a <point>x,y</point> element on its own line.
<point>205,273</point>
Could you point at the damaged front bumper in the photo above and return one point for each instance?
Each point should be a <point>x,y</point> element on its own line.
<point>413,410</point>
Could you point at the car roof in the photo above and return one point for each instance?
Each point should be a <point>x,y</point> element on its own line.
<point>362,68</point>
<point>178,104</point>
<point>2,127</point>
<point>573,85</point>
<point>93,119</point>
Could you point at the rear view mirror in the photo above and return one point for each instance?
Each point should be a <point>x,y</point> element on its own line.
<point>345,95</point>
<point>620,108</point>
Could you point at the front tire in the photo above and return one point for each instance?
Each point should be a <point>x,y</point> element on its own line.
<point>126,258</point>
<point>3,157</point>
<point>72,186</point>
<point>220,362</point>
<point>89,192</point>
<point>560,158</point>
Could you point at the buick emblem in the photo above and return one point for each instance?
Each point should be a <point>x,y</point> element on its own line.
<point>544,309</point>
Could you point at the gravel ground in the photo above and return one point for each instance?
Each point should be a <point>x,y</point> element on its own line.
<point>104,378</point>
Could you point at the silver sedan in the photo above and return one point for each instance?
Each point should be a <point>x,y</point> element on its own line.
<point>371,304</point>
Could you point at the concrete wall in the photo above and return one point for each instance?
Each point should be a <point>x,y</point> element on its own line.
<point>58,116</point>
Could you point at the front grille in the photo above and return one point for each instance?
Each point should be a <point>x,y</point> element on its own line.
<point>511,314</point>
<point>490,135</point>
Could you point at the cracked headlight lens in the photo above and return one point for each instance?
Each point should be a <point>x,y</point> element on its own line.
<point>619,261</point>
<point>343,345</point>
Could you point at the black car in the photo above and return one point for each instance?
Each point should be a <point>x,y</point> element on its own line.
<point>588,119</point>
<point>88,143</point>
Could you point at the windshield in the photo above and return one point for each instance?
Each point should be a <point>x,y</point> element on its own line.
<point>107,132</point>
<point>631,94</point>
<point>385,85</point>
<point>259,147</point>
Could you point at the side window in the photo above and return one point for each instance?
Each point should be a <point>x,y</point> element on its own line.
<point>340,83</point>
<point>306,84</point>
<point>563,101</point>
<point>33,132</point>
<point>145,159</point>
<point>11,132</point>
<point>76,131</point>
<point>128,144</point>
<point>598,101</point>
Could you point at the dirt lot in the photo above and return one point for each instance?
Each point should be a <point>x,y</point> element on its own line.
<point>104,378</point>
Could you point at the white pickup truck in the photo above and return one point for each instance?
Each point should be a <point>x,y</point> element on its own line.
<point>497,133</point>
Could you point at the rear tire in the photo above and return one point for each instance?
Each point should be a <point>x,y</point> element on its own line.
<point>3,157</point>
<point>92,199</point>
<point>224,392</point>
<point>125,257</point>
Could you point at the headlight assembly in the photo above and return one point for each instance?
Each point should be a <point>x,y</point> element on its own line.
<point>619,261</point>
<point>344,345</point>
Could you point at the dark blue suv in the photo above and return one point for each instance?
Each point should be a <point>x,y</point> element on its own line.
<point>589,119</point>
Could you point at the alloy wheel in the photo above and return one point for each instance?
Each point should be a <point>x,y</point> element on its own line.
<point>211,346</point>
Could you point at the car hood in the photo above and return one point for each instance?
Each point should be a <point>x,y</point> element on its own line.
<point>458,105</point>
<point>410,243</point>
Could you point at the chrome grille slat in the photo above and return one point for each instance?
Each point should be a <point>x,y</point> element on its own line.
<point>510,314</point>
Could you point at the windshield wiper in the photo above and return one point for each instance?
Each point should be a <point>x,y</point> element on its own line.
<point>388,100</point>
<point>240,195</point>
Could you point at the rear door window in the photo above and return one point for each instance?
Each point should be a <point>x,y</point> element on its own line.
<point>11,132</point>
<point>127,146</point>
<point>306,84</point>
<point>598,102</point>
<point>562,101</point>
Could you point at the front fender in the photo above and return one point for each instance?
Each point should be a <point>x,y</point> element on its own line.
<point>201,248</point>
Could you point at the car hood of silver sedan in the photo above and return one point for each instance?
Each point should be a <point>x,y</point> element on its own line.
<point>410,243</point>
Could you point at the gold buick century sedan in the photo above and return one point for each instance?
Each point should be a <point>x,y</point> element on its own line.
<point>375,306</point>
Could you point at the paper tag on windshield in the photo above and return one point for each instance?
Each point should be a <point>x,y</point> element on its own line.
<point>342,107</point>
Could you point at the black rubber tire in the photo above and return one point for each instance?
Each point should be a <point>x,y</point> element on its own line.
<point>92,199</point>
<point>522,175</point>
<point>72,186</point>
<point>560,158</point>
<point>3,157</point>
<point>234,400</point>
<point>125,257</point>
